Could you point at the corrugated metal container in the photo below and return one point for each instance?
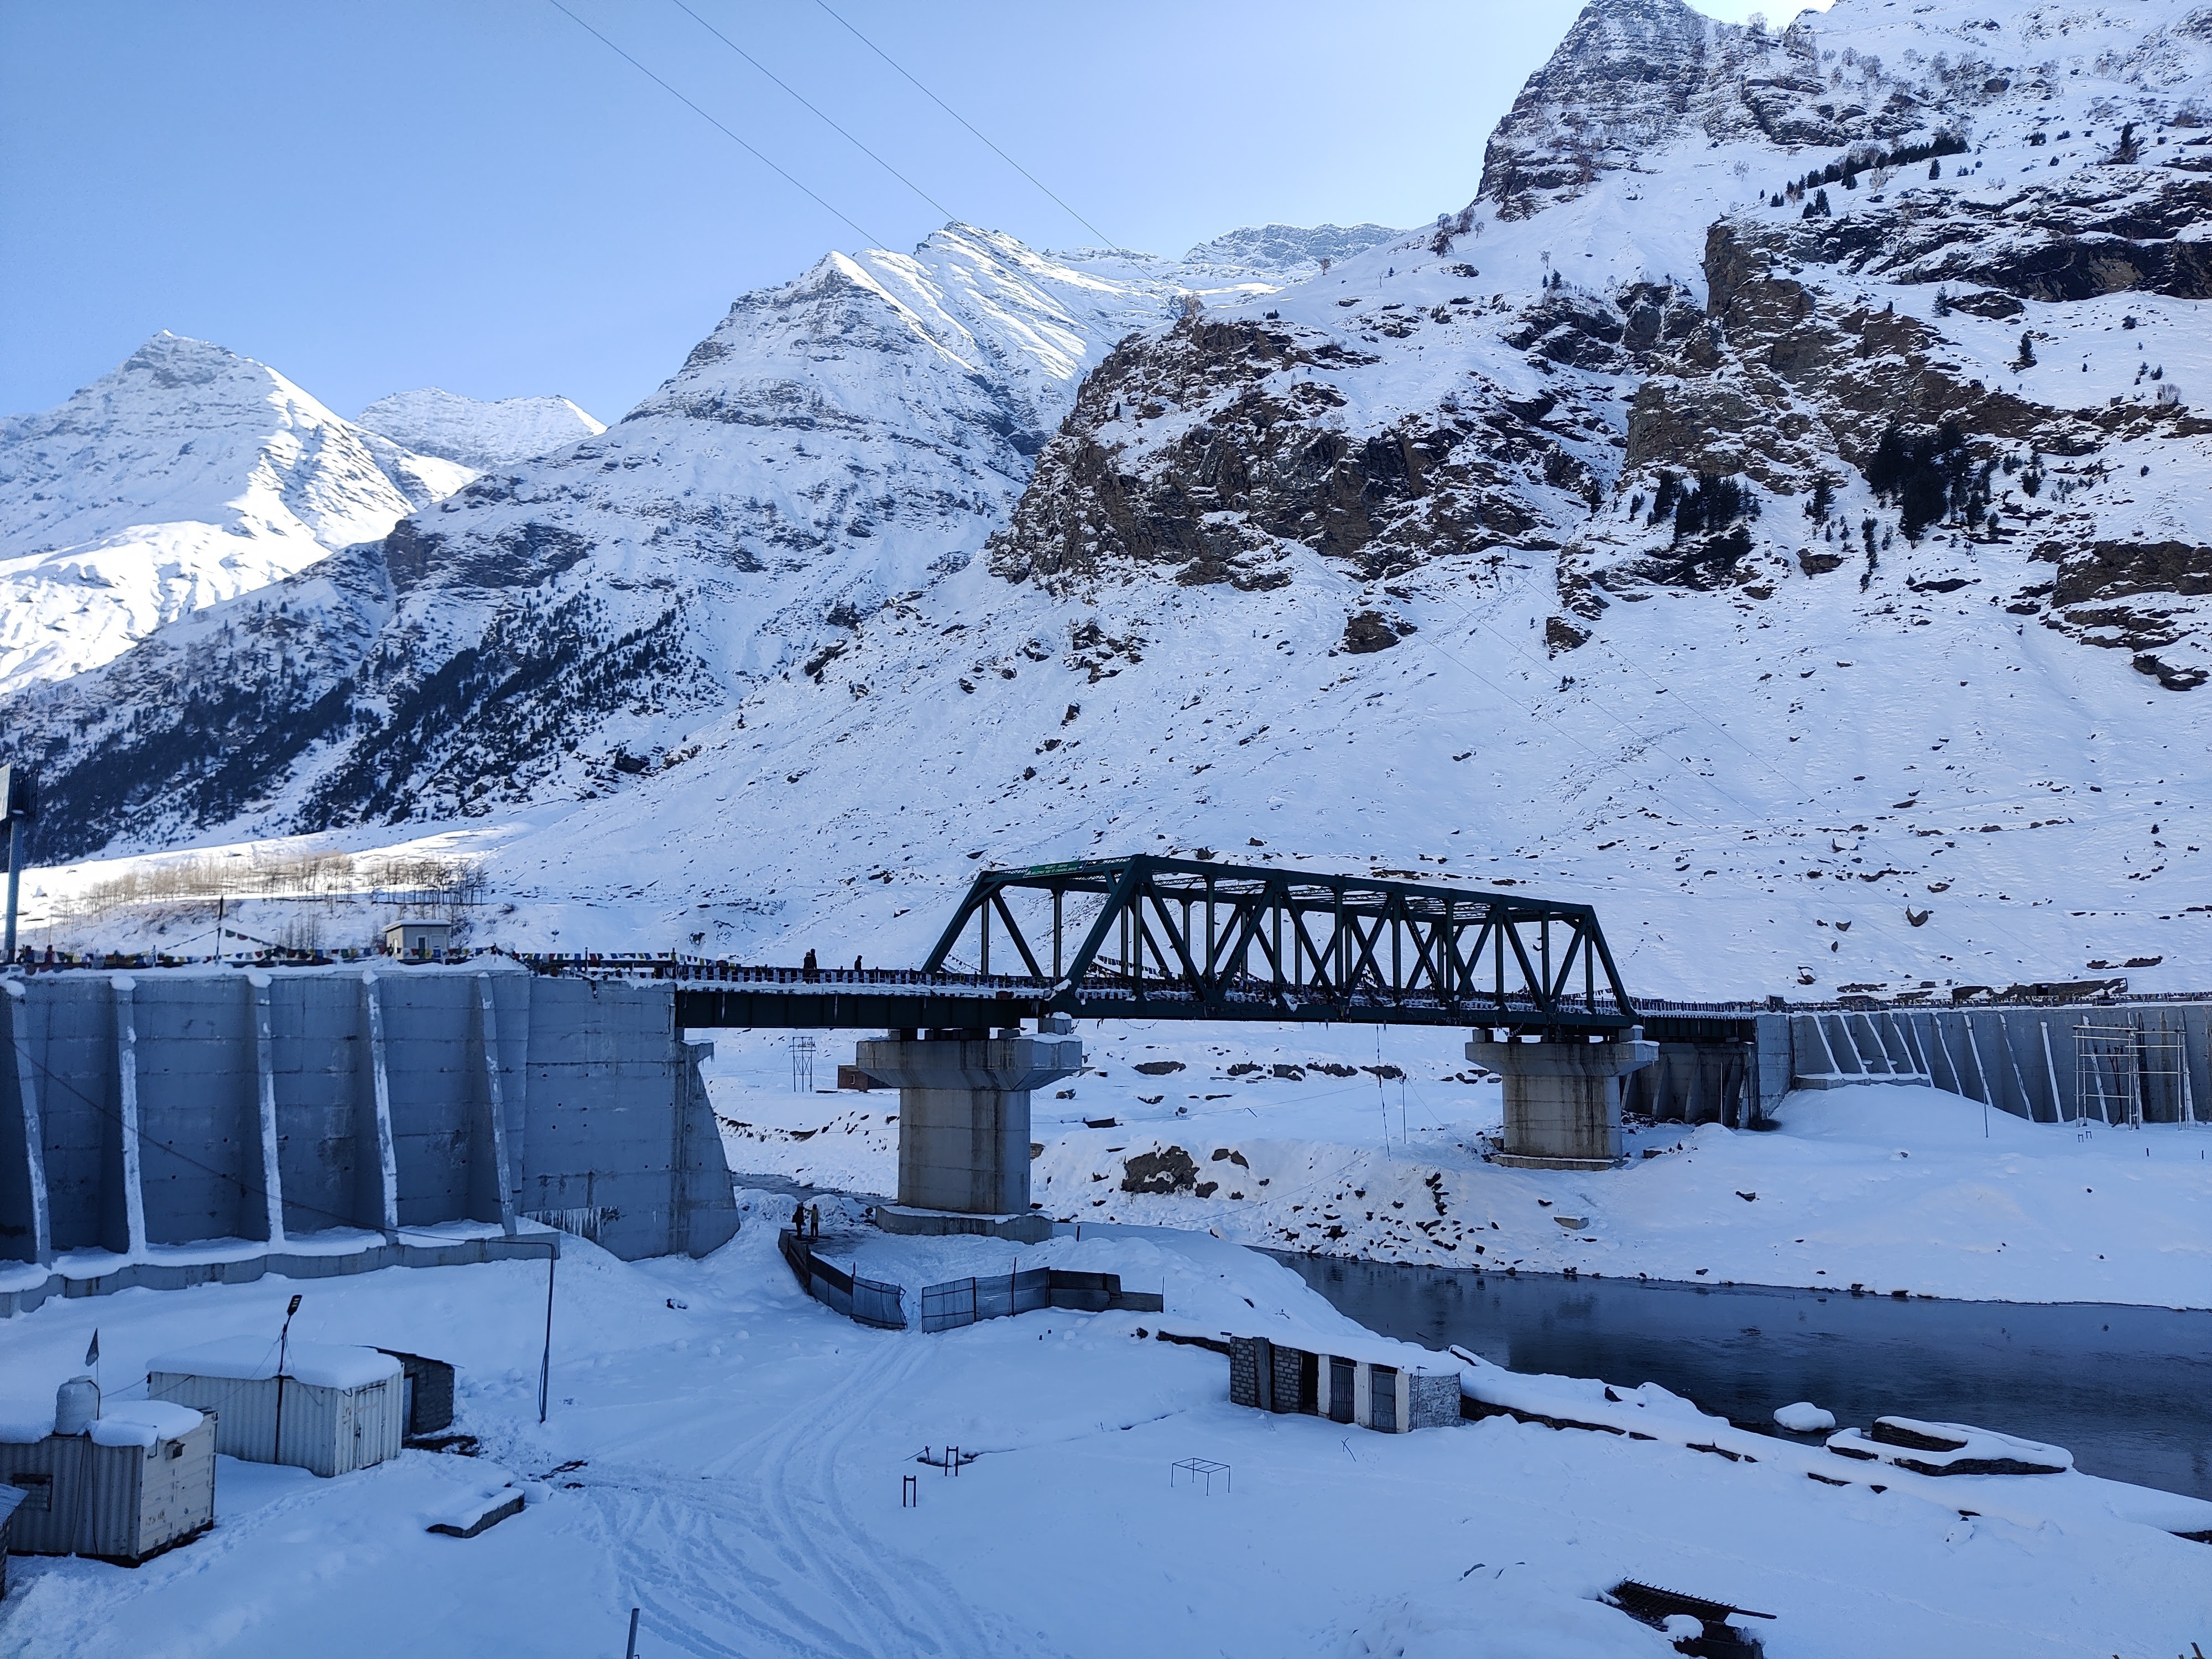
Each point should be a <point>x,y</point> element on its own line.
<point>334,1409</point>
<point>150,1490</point>
<point>11,1499</point>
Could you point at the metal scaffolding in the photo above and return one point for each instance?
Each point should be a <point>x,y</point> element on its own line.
<point>2121,1068</point>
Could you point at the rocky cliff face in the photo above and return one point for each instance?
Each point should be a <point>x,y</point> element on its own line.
<point>1205,452</point>
<point>1935,280</point>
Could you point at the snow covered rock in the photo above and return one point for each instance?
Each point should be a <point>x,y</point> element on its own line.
<point>1278,254</point>
<point>1804,1418</point>
<point>1949,1449</point>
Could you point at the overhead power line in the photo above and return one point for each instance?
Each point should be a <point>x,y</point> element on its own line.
<point>1104,240</point>
<point>872,241</point>
<point>947,213</point>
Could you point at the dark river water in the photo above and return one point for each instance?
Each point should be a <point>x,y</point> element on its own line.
<point>2128,1391</point>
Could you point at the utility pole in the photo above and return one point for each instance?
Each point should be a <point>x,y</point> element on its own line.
<point>19,800</point>
<point>283,1352</point>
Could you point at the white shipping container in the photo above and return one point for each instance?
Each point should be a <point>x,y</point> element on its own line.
<point>139,1480</point>
<point>334,1409</point>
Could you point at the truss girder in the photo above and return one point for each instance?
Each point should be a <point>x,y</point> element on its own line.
<point>1286,940</point>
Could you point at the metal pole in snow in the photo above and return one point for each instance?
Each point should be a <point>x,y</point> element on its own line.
<point>545,1368</point>
<point>630,1652</point>
<point>283,1346</point>
<point>1981,1073</point>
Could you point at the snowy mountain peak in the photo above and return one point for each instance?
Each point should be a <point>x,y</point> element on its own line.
<point>479,434</point>
<point>169,360</point>
<point>187,476</point>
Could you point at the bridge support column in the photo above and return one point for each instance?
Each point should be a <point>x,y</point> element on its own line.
<point>1563,1098</point>
<point>964,1113</point>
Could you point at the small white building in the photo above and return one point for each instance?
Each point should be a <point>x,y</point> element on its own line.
<point>331,1410</point>
<point>120,1484</point>
<point>1388,1394</point>
<point>420,940</point>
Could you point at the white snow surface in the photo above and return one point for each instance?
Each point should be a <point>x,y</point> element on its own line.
<point>476,433</point>
<point>734,1467</point>
<point>188,476</point>
<point>1881,1188</point>
<point>249,1359</point>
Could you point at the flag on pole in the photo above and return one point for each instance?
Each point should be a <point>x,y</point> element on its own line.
<point>92,1353</point>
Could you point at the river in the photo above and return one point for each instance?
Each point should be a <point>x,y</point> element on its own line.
<point>2127,1389</point>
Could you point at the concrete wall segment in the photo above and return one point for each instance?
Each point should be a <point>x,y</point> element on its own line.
<point>25,1225</point>
<point>198,1124</point>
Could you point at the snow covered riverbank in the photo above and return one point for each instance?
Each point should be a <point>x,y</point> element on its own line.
<point>1294,1143</point>
<point>727,1455</point>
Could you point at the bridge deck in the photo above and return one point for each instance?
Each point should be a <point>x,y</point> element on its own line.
<point>710,995</point>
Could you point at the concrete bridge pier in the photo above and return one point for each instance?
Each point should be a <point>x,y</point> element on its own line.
<point>1563,1097</point>
<point>964,1120</point>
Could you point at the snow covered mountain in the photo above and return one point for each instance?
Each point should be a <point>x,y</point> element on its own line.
<point>1285,252</point>
<point>835,441</point>
<point>1772,506</point>
<point>479,434</point>
<point>187,476</point>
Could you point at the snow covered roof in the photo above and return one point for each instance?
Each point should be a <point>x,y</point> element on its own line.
<point>24,1422</point>
<point>143,1423</point>
<point>253,1359</point>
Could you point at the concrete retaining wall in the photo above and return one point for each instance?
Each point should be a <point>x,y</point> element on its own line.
<point>152,1108</point>
<point>1735,1068</point>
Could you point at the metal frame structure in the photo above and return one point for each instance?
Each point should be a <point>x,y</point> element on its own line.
<point>2119,1066</point>
<point>1179,939</point>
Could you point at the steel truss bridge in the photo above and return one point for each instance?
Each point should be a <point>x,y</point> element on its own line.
<point>1149,937</point>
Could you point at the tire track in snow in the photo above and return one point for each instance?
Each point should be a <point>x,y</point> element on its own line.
<point>765,1555</point>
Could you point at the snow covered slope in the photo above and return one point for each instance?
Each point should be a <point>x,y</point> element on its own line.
<point>834,441</point>
<point>1280,252</point>
<point>479,434</point>
<point>728,1454</point>
<point>187,476</point>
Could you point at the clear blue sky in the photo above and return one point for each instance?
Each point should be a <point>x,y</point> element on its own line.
<point>373,195</point>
